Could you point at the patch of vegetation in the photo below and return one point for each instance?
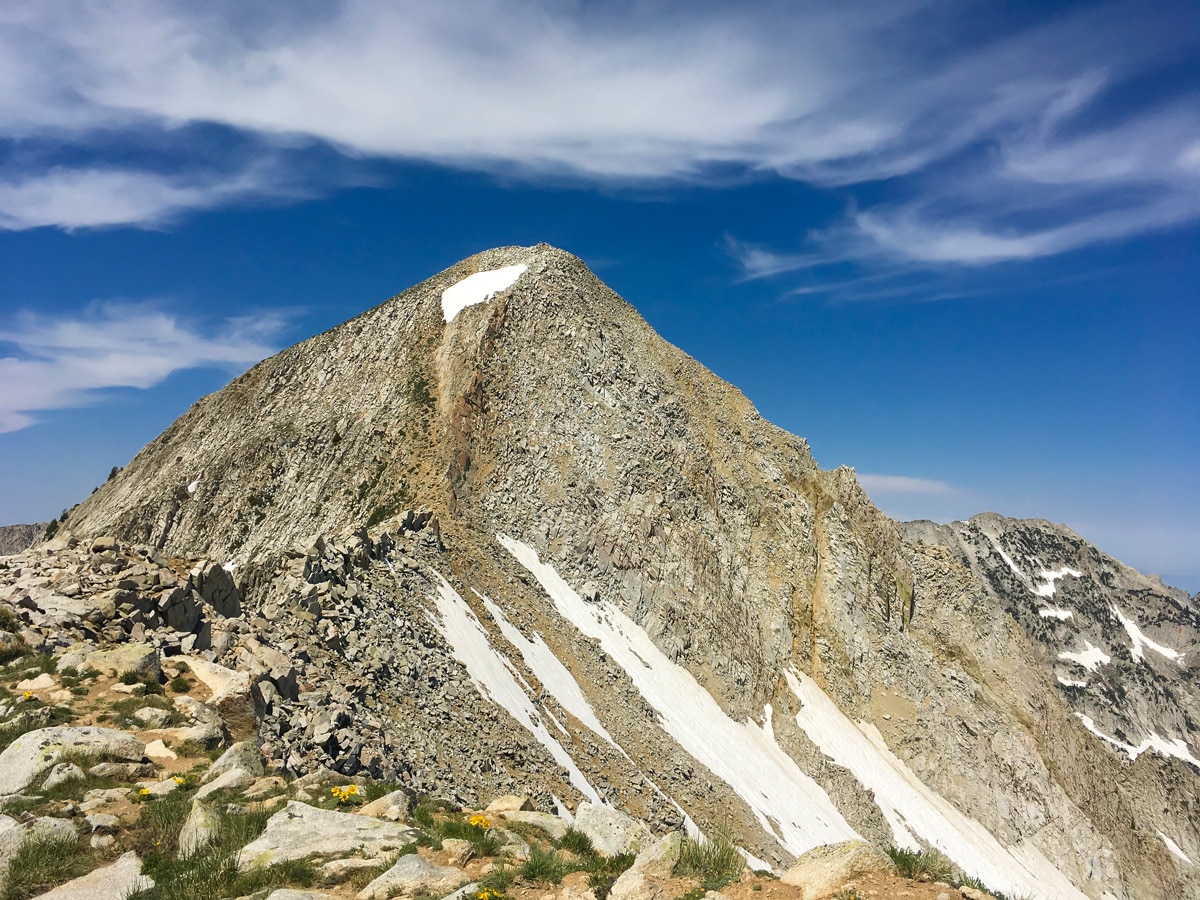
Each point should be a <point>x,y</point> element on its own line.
<point>576,842</point>
<point>150,683</point>
<point>211,871</point>
<point>926,865</point>
<point>28,665</point>
<point>603,872</point>
<point>544,866</point>
<point>716,861</point>
<point>41,864</point>
<point>8,621</point>
<point>474,830</point>
<point>500,879</point>
<point>179,684</point>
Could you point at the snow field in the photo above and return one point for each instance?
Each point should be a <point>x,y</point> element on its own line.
<point>1142,643</point>
<point>912,807</point>
<point>478,288</point>
<point>787,803</point>
<point>495,678</point>
<point>1091,658</point>
<point>1153,741</point>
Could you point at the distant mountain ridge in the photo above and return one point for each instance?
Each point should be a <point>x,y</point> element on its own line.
<point>530,508</point>
<point>15,538</point>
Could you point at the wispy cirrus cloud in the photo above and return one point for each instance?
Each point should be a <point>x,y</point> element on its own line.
<point>62,362</point>
<point>999,141</point>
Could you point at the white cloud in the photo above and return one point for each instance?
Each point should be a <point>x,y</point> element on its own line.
<point>997,140</point>
<point>65,362</point>
<point>884,485</point>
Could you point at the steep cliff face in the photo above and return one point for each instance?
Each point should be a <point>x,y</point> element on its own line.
<point>681,611</point>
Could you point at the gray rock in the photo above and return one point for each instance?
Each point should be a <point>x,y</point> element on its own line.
<point>411,876</point>
<point>243,755</point>
<point>660,858</point>
<point>198,830</point>
<point>103,823</point>
<point>612,831</point>
<point>120,879</point>
<point>229,780</point>
<point>393,807</point>
<point>553,825</point>
<point>152,716</point>
<point>140,659</point>
<point>62,773</point>
<point>823,870</point>
<point>298,831</point>
<point>32,754</point>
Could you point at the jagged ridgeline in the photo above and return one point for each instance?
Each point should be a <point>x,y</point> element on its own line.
<point>507,538</point>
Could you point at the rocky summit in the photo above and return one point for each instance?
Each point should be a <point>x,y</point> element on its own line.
<point>496,538</point>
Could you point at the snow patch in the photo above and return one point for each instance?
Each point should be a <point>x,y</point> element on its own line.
<point>1091,658</point>
<point>787,803</point>
<point>1050,576</point>
<point>1153,741</point>
<point>478,288</point>
<point>230,566</point>
<point>1141,642</point>
<point>909,805</point>
<point>1049,612</point>
<point>1067,682</point>
<point>554,676</point>
<point>191,488</point>
<point>494,677</point>
<point>1175,848</point>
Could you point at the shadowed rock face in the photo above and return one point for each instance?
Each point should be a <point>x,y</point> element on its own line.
<point>359,482</point>
<point>15,538</point>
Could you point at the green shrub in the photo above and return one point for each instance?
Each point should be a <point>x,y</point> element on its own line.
<point>42,864</point>
<point>922,864</point>
<point>576,842</point>
<point>715,861</point>
<point>499,879</point>
<point>179,684</point>
<point>603,872</point>
<point>544,866</point>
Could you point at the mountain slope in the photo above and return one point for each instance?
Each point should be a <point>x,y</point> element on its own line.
<point>614,550</point>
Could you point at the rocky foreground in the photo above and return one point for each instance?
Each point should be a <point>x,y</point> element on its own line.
<point>132,765</point>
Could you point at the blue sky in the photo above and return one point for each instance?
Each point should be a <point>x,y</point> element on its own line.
<point>955,245</point>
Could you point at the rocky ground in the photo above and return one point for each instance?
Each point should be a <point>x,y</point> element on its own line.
<point>121,776</point>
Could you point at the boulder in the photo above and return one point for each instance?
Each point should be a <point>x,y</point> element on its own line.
<point>393,806</point>
<point>458,852</point>
<point>32,754</point>
<point>61,774</point>
<point>156,749</point>
<point>217,589</point>
<point>553,825</point>
<point>413,876</point>
<point>229,780</point>
<point>140,659</point>
<point>122,878</point>
<point>636,886</point>
<point>612,831</point>
<point>509,803</point>
<point>243,755</point>
<point>231,697</point>
<point>660,858</point>
<point>41,683</point>
<point>298,831</point>
<point>823,871</point>
<point>198,830</point>
<point>293,894</point>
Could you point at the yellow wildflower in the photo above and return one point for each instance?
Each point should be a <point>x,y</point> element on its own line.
<point>480,821</point>
<point>28,695</point>
<point>145,792</point>
<point>178,779</point>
